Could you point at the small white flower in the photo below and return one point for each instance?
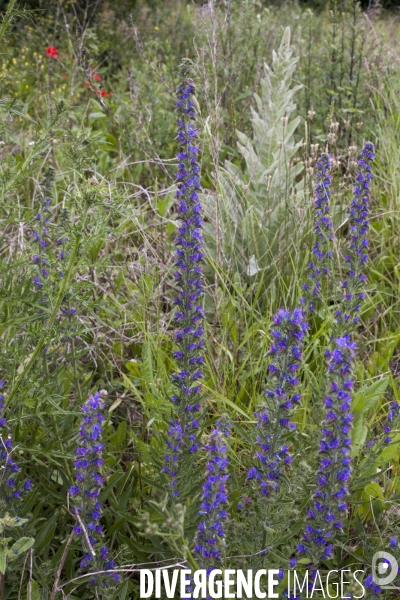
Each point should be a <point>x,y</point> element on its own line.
<point>31,143</point>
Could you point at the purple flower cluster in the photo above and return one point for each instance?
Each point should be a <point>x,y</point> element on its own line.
<point>322,252</point>
<point>210,539</point>
<point>10,490</point>
<point>393,418</point>
<point>189,313</point>
<point>273,420</point>
<point>89,482</point>
<point>357,257</point>
<point>330,506</point>
<point>370,584</point>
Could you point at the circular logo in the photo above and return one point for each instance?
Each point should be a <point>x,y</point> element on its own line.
<point>384,568</point>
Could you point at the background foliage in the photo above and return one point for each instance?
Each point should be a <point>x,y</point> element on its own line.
<point>100,115</point>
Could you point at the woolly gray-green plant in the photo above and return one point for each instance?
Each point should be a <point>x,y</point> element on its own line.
<point>258,204</point>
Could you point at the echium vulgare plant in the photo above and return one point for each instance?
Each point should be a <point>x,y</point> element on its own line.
<point>273,417</point>
<point>318,267</point>
<point>86,492</point>
<point>356,257</point>
<point>41,238</point>
<point>11,489</point>
<point>189,313</point>
<point>329,501</point>
<point>210,539</point>
<point>51,262</point>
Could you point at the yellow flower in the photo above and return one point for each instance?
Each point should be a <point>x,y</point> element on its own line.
<point>27,64</point>
<point>14,61</point>
<point>157,28</point>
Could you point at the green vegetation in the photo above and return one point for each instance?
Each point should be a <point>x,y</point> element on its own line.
<point>88,121</point>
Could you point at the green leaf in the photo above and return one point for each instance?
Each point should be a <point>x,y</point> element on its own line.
<point>368,396</point>
<point>97,115</point>
<point>359,434</point>
<point>390,451</point>
<point>34,593</point>
<point>3,559</point>
<point>121,592</point>
<point>20,546</point>
<point>120,434</point>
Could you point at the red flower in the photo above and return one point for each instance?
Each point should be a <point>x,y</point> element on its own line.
<point>103,93</point>
<point>51,51</point>
<point>96,77</point>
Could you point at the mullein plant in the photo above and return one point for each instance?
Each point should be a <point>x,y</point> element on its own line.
<point>330,506</point>
<point>183,430</point>
<point>85,495</point>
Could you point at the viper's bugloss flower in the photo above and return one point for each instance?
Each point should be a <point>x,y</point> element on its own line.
<point>370,584</point>
<point>393,420</point>
<point>85,493</point>
<point>318,267</point>
<point>329,502</point>
<point>356,258</point>
<point>189,311</point>
<point>11,488</point>
<point>288,331</point>
<point>172,458</point>
<point>210,539</point>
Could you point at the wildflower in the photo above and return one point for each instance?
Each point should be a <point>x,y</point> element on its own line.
<point>288,331</point>
<point>329,502</point>
<point>85,492</point>
<point>393,418</point>
<point>210,539</point>
<point>370,584</point>
<point>318,267</point>
<point>11,489</point>
<point>51,51</point>
<point>103,93</point>
<point>41,235</point>
<point>96,77</point>
<point>357,257</point>
<point>189,312</point>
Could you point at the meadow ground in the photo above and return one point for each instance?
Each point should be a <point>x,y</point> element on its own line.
<point>129,131</point>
